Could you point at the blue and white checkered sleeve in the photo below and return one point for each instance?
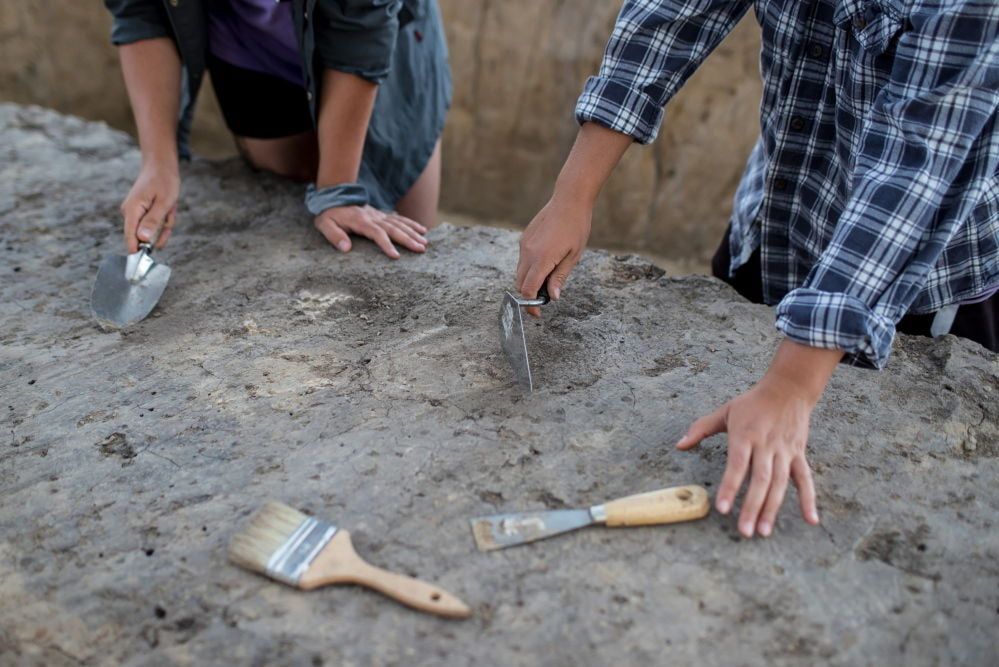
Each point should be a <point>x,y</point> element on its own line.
<point>930,148</point>
<point>655,46</point>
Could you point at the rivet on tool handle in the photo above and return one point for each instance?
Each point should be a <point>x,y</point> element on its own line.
<point>681,503</point>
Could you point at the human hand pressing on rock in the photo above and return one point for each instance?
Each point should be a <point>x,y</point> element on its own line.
<point>150,208</point>
<point>337,224</point>
<point>767,430</point>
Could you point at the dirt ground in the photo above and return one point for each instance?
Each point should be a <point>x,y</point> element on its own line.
<point>373,394</point>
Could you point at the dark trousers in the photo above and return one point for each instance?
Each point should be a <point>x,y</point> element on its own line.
<point>978,322</point>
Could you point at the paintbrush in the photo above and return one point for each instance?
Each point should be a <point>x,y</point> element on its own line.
<point>306,553</point>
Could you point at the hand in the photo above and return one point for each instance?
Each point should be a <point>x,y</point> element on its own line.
<point>551,246</point>
<point>337,223</point>
<point>768,431</point>
<point>151,205</point>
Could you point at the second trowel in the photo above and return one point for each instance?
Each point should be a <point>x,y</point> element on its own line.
<point>680,503</point>
<point>127,288</point>
<point>512,337</point>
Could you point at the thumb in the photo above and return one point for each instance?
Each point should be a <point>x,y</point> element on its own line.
<point>152,223</point>
<point>702,428</point>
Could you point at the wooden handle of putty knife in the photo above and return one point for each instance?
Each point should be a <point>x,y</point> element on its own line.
<point>680,503</point>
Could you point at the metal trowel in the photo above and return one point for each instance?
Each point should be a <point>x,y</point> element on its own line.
<point>512,338</point>
<point>128,288</point>
<point>679,503</point>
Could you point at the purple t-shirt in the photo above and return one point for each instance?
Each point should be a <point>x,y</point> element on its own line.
<point>258,35</point>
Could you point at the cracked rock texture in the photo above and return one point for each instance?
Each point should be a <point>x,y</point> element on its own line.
<point>373,393</point>
<point>518,67</point>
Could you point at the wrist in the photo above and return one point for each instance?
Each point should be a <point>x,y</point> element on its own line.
<point>805,370</point>
<point>163,161</point>
<point>572,193</point>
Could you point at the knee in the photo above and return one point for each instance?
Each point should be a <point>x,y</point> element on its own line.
<point>281,163</point>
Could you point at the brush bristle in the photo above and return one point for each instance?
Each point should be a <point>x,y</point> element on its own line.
<point>267,531</point>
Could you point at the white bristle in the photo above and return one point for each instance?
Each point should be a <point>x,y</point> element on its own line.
<point>267,531</point>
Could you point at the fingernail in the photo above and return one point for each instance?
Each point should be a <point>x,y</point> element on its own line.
<point>764,529</point>
<point>746,529</point>
<point>556,293</point>
<point>144,233</point>
<point>815,517</point>
<point>344,246</point>
<point>724,506</point>
<point>681,441</point>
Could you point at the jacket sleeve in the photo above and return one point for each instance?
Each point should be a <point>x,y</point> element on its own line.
<point>357,36</point>
<point>135,20</point>
<point>927,155</point>
<point>655,46</point>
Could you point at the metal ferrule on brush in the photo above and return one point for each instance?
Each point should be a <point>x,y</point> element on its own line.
<point>293,558</point>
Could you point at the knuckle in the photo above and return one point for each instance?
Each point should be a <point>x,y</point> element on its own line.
<point>761,475</point>
<point>738,455</point>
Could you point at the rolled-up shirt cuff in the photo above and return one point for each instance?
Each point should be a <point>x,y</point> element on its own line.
<point>620,107</point>
<point>364,53</point>
<point>136,29</point>
<point>318,200</point>
<point>837,321</point>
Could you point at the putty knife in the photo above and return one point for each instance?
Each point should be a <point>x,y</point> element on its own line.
<point>128,288</point>
<point>679,503</point>
<point>512,338</point>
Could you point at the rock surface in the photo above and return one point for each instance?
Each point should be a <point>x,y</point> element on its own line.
<point>518,67</point>
<point>372,393</point>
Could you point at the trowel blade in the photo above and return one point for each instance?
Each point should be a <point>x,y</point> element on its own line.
<point>513,341</point>
<point>508,530</point>
<point>116,302</point>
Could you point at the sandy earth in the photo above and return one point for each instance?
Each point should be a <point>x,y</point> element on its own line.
<point>373,393</point>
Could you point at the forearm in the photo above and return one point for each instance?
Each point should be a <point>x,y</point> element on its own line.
<point>152,72</point>
<point>803,368</point>
<point>594,155</point>
<point>344,113</point>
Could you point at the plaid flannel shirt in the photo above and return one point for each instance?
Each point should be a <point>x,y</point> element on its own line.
<point>873,190</point>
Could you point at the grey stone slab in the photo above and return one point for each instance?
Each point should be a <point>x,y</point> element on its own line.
<point>373,393</point>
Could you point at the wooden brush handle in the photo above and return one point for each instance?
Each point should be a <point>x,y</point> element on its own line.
<point>412,592</point>
<point>338,563</point>
<point>680,503</point>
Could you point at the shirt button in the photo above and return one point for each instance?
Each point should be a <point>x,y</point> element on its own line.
<point>859,23</point>
<point>308,95</point>
<point>797,123</point>
<point>174,3</point>
<point>816,51</point>
<point>780,185</point>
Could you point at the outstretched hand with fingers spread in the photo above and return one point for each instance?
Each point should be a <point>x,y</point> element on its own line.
<point>767,430</point>
<point>336,224</point>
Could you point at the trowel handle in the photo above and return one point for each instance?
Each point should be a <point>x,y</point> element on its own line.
<point>541,300</point>
<point>543,292</point>
<point>679,503</point>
